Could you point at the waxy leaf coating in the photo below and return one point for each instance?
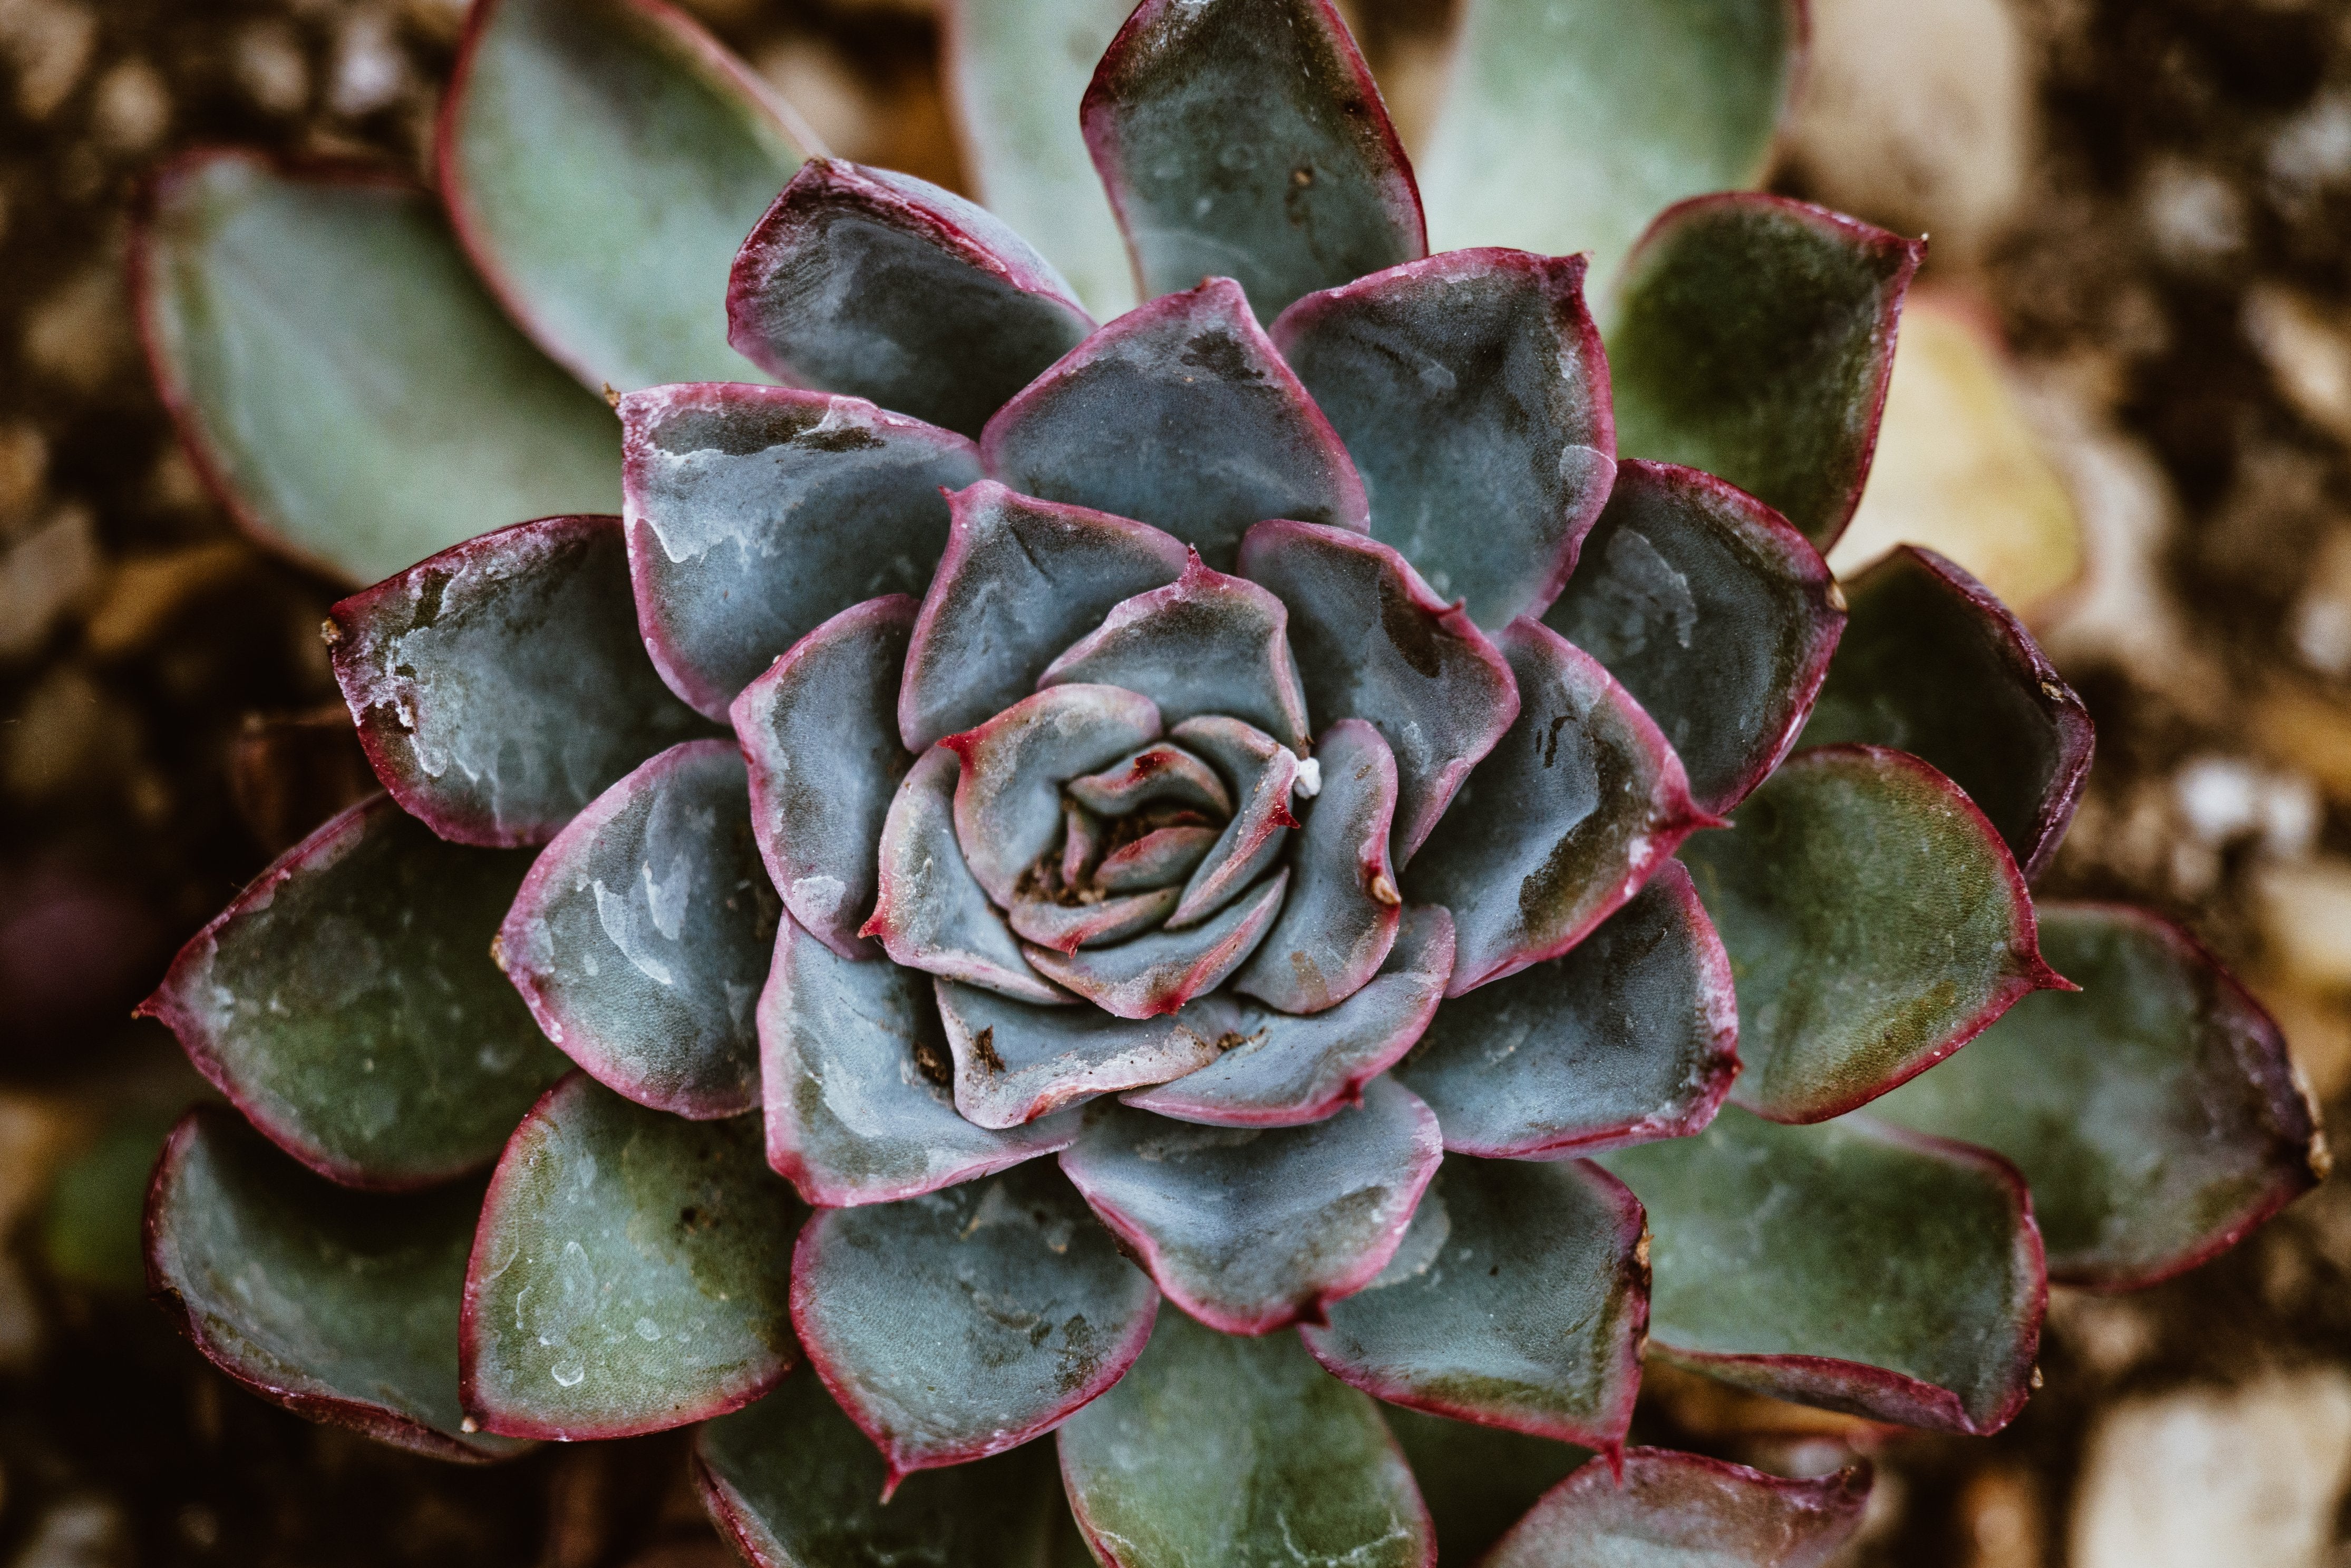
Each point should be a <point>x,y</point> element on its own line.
<point>346,1004</point>
<point>754,514</point>
<point>603,159</point>
<point>631,1272</point>
<point>1631,1035</point>
<point>1932,664</point>
<point>964,1322</point>
<point>1714,613</point>
<point>856,1076</point>
<point>1180,413</point>
<point>340,1306</point>
<point>1518,1299</point>
<point>2155,1112</point>
<point>1305,188</point>
<point>1015,1064</point>
<point>1250,1230</point>
<point>339,373</point>
<point>1858,1266</point>
<point>1682,1511</point>
<point>1341,915</point>
<point>888,288</point>
<point>1241,1453</point>
<point>1754,339</point>
<point>1473,392</point>
<point>640,938</point>
<point>1874,924</point>
<point>499,686</point>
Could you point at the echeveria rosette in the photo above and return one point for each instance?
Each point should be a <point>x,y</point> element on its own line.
<point>1168,882</point>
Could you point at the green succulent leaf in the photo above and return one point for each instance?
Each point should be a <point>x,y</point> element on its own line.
<point>1753,337</point>
<point>1566,126</point>
<point>1874,924</point>
<point>793,1483</point>
<point>341,1306</point>
<point>603,160</point>
<point>1854,1266</point>
<point>2155,1112</point>
<point>339,374</point>
<point>1933,664</point>
<point>1680,1511</point>
<point>1217,1452</point>
<point>346,1003</point>
<point>1478,1480</point>
<point>631,1272</point>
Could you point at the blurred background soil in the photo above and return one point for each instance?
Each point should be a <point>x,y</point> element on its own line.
<point>2149,201</point>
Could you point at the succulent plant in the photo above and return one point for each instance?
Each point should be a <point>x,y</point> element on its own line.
<point>1280,801</point>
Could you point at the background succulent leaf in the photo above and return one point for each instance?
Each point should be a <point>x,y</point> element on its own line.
<point>357,1320</point>
<point>1682,1511</point>
<point>964,1322</point>
<point>1752,337</point>
<point>345,1003</point>
<point>1118,423</point>
<point>1473,393</point>
<point>1246,1229</point>
<point>1307,190</point>
<point>603,159</point>
<point>1932,664</point>
<point>888,288</point>
<point>1630,1035</point>
<point>793,1483</point>
<point>754,514</point>
<point>631,1272</point>
<point>500,685</point>
<point>1874,924</point>
<point>341,375</point>
<point>1518,1298</point>
<point>1240,1452</point>
<point>1854,1266</point>
<point>1478,1481</point>
<point>1716,614</point>
<point>853,1070</point>
<point>1548,142</point>
<point>640,938</point>
<point>1340,917</point>
<point>2155,1112</point>
<point>1014,1063</point>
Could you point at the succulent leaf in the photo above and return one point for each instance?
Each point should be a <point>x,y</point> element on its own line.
<point>1243,1453</point>
<point>1518,1299</point>
<point>1854,1266</point>
<point>793,1483</point>
<point>820,735</point>
<point>854,1069</point>
<point>1631,1035</point>
<point>1021,581</point>
<point>1007,798</point>
<point>1160,771</point>
<point>339,373</point>
<point>1248,1229</point>
<point>1715,613</point>
<point>1473,392</point>
<point>1066,927</point>
<point>1340,915</point>
<point>1124,421</point>
<point>358,1323</point>
<point>1284,1070</point>
<point>965,1322</point>
<point>1478,1480</point>
<point>1014,1062</point>
<point>1933,664</point>
<point>344,1004</point>
<point>499,686</point>
<point>603,159</point>
<point>641,936</point>
<point>1373,643</point>
<point>631,1272</point>
<point>1560,823</point>
<point>1553,139</point>
<point>754,514</point>
<point>1305,190</point>
<point>1148,976</point>
<point>1753,337</point>
<point>1263,773</point>
<point>1681,1510</point>
<point>2155,1113</point>
<point>1875,923</point>
<point>887,288</point>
